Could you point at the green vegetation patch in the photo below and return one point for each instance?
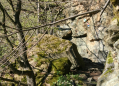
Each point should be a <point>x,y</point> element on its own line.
<point>61,65</point>
<point>110,70</point>
<point>67,80</point>
<point>53,44</point>
<point>109,58</point>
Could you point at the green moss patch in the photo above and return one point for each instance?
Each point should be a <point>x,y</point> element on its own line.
<point>109,58</point>
<point>61,65</point>
<point>53,44</point>
<point>110,70</point>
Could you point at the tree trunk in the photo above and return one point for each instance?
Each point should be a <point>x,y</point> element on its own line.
<point>23,48</point>
<point>38,10</point>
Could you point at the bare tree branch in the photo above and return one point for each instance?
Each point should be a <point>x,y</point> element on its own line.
<point>104,7</point>
<point>28,11</point>
<point>30,74</point>
<point>32,5</point>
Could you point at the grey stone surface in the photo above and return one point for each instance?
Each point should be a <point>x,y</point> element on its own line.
<point>64,32</point>
<point>110,75</point>
<point>88,30</point>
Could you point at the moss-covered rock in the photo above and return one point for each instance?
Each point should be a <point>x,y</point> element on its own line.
<point>53,56</point>
<point>53,47</point>
<point>48,45</point>
<point>61,66</point>
<point>52,70</point>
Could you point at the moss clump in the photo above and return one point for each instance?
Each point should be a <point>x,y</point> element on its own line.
<point>62,64</point>
<point>24,79</point>
<point>108,62</point>
<point>110,70</point>
<point>60,67</point>
<point>48,45</point>
<point>80,82</point>
<point>41,59</point>
<point>109,58</point>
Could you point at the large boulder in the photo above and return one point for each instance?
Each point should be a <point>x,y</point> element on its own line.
<point>53,56</point>
<point>53,47</point>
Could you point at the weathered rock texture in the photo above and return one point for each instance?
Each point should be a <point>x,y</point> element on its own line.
<point>110,76</point>
<point>87,30</point>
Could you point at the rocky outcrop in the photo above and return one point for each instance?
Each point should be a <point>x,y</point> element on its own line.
<point>88,30</point>
<point>110,76</point>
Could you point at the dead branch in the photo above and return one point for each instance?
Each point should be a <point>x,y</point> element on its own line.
<point>7,26</point>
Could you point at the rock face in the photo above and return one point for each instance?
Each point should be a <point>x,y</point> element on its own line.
<point>64,32</point>
<point>110,75</point>
<point>88,30</point>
